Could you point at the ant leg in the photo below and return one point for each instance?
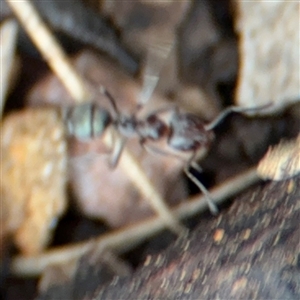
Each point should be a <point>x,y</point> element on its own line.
<point>230,110</point>
<point>212,206</point>
<point>191,163</point>
<point>155,150</point>
<point>117,151</point>
<point>195,166</point>
<point>111,99</point>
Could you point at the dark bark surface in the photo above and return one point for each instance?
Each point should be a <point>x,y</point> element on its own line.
<point>250,251</point>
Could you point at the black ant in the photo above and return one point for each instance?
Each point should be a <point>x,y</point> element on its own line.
<point>184,133</point>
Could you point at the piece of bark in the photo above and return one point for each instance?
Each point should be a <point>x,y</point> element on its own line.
<point>250,251</point>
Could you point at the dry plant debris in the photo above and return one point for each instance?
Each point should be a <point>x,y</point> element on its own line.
<point>269,51</point>
<point>91,170</point>
<point>232,255</point>
<point>127,238</point>
<point>264,266</point>
<point>34,173</point>
<point>282,161</point>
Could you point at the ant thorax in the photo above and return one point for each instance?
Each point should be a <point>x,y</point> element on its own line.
<point>127,126</point>
<point>150,128</point>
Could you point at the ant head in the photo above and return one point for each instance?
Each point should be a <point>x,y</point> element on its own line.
<point>188,132</point>
<point>126,125</point>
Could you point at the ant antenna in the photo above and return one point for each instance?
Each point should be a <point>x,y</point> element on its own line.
<point>112,101</point>
<point>212,206</point>
<point>230,110</point>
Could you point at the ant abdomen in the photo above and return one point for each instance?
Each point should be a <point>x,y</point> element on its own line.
<point>86,121</point>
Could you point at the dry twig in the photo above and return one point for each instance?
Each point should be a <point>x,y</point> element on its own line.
<point>125,239</point>
<point>8,36</point>
<point>49,48</point>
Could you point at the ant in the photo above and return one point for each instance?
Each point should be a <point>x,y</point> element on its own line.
<point>185,134</point>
